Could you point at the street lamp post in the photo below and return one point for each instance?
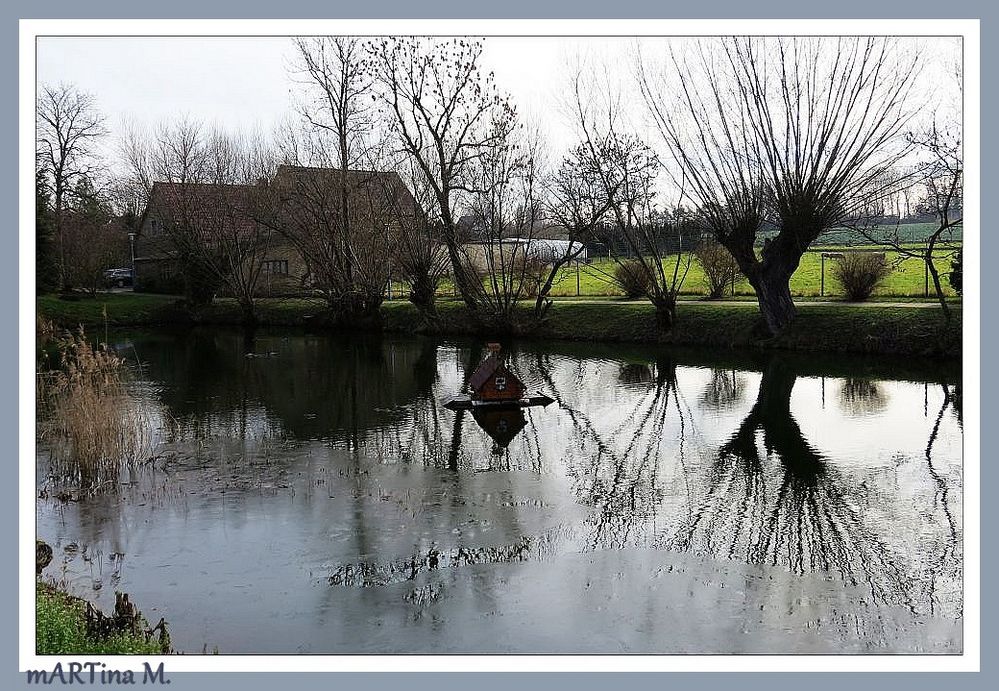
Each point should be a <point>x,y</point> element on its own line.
<point>131,249</point>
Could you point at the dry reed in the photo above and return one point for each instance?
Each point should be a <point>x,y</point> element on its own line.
<point>87,420</point>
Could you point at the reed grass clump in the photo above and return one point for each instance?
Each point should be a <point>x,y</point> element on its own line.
<point>87,420</point>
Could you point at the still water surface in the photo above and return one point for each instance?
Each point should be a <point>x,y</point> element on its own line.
<point>310,495</point>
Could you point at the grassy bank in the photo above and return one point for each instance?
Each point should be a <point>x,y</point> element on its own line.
<point>821,327</point>
<point>61,629</point>
<point>828,328</point>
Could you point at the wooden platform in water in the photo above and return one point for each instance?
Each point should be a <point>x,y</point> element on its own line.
<point>466,402</point>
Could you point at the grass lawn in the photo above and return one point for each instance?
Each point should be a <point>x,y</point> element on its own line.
<point>822,327</point>
<point>112,308</point>
<point>831,328</point>
<point>60,629</point>
<point>906,280</point>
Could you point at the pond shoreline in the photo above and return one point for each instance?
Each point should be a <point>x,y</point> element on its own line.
<point>867,329</point>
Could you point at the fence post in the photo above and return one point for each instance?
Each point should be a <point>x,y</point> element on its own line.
<point>926,277</point>
<point>822,282</point>
<point>577,278</point>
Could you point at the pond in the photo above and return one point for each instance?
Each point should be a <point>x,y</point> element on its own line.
<point>310,494</point>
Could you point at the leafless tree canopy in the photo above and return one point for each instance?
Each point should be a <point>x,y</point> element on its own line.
<point>795,131</point>
<point>67,126</point>
<point>628,171</point>
<point>332,203</point>
<point>205,198</point>
<point>446,115</point>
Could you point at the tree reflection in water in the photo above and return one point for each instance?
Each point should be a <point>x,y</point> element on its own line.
<point>773,499</point>
<point>624,434</point>
<point>862,397</point>
<point>622,485</point>
<point>947,564</point>
<point>726,388</point>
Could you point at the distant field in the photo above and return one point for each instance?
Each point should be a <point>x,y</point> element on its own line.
<point>907,280</point>
<point>907,232</point>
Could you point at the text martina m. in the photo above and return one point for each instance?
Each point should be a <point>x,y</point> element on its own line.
<point>96,673</point>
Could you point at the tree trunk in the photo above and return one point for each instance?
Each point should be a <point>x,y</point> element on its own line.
<point>773,292</point>
<point>541,306</point>
<point>462,281</point>
<point>665,314</point>
<point>423,295</point>
<point>936,284</point>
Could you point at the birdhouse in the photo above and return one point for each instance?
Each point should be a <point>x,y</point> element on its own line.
<point>501,424</point>
<point>493,381</point>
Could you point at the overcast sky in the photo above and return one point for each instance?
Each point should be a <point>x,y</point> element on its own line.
<point>244,82</point>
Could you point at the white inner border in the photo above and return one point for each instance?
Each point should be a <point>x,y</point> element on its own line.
<point>969,29</point>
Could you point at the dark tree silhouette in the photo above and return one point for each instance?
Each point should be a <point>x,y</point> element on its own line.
<point>794,130</point>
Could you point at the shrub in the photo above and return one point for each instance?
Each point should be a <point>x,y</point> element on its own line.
<point>955,275</point>
<point>632,278</point>
<point>528,272</point>
<point>720,267</point>
<point>860,273</point>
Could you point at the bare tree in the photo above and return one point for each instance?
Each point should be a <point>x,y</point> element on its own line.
<point>937,182</point>
<point>628,169</point>
<point>204,200</point>
<point>67,126</point>
<point>446,115</point>
<point>576,201</point>
<point>94,239</point>
<point>507,211</point>
<point>419,256</point>
<point>336,207</point>
<point>796,129</point>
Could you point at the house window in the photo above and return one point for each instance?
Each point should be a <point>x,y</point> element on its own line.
<point>275,266</point>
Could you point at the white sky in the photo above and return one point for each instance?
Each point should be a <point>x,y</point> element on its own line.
<point>241,83</point>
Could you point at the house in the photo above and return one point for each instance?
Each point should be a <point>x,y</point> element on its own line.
<point>289,219</point>
<point>493,381</point>
<point>181,219</point>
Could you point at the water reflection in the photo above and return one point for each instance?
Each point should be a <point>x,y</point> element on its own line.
<point>501,425</point>
<point>336,455</point>
<point>862,397</point>
<point>726,388</point>
<point>773,498</point>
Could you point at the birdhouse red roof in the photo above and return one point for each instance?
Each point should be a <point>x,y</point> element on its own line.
<point>492,380</point>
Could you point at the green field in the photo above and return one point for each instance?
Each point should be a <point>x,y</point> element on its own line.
<point>907,232</point>
<point>906,280</point>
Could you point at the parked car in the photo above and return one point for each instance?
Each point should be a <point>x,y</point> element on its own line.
<point>118,278</point>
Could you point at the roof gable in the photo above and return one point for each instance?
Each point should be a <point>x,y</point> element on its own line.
<point>485,370</point>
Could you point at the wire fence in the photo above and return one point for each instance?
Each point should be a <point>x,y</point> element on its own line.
<point>909,277</point>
